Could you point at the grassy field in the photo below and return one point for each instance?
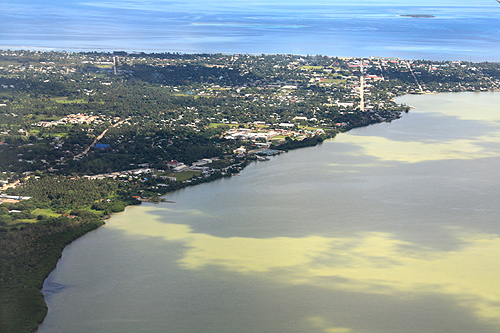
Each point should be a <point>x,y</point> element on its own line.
<point>104,65</point>
<point>65,100</point>
<point>216,125</point>
<point>14,222</point>
<point>311,67</point>
<point>310,128</point>
<point>182,175</point>
<point>338,81</point>
<point>45,212</point>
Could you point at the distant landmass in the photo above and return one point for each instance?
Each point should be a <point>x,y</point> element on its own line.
<point>417,15</point>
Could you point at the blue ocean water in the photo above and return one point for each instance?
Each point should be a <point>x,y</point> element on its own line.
<point>193,26</point>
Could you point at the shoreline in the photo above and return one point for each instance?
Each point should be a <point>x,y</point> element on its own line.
<point>33,320</point>
<point>162,199</point>
<point>234,228</point>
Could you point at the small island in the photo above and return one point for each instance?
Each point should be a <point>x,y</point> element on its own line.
<point>417,15</point>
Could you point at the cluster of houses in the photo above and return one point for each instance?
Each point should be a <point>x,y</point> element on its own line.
<point>12,198</point>
<point>125,173</point>
<point>174,166</point>
<point>70,119</point>
<point>200,165</point>
<point>249,134</point>
<point>267,135</point>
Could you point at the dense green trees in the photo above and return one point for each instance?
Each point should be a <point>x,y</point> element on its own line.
<point>26,257</point>
<point>66,193</point>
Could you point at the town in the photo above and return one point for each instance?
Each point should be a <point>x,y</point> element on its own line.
<point>83,135</point>
<point>94,114</point>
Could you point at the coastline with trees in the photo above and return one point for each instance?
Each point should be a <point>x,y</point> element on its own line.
<point>155,109</point>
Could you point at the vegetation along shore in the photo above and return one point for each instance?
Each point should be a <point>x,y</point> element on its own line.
<point>83,135</point>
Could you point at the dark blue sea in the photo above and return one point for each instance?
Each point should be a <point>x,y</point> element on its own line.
<point>331,28</point>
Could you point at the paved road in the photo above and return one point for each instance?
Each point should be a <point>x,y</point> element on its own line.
<point>86,151</point>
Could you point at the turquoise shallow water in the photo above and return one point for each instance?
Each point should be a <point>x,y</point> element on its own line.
<point>388,228</point>
<point>334,28</point>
